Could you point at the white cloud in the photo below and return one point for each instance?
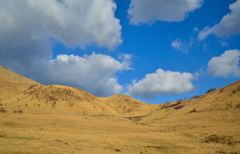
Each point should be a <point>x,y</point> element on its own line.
<point>229,24</point>
<point>95,73</point>
<point>226,64</point>
<point>177,44</point>
<point>162,81</point>
<point>28,25</point>
<point>181,45</point>
<point>149,11</point>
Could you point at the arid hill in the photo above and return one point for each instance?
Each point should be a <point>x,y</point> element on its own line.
<point>12,84</point>
<point>37,118</point>
<point>22,93</point>
<point>219,101</point>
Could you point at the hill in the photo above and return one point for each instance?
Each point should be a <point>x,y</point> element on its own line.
<point>12,84</point>
<point>225,99</point>
<point>127,106</point>
<point>23,94</point>
<point>37,118</point>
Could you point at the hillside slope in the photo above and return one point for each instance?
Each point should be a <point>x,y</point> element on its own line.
<point>127,106</point>
<point>225,99</point>
<point>61,119</point>
<point>12,84</point>
<point>22,94</point>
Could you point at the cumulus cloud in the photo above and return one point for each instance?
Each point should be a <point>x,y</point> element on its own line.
<point>95,73</point>
<point>227,64</point>
<point>148,11</point>
<point>28,25</point>
<point>160,82</point>
<point>229,24</point>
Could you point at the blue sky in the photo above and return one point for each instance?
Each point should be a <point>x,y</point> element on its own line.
<point>149,45</point>
<point>151,48</point>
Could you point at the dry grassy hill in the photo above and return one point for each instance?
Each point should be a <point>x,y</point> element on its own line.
<point>126,106</point>
<point>36,118</point>
<point>226,99</point>
<point>24,95</point>
<point>12,84</point>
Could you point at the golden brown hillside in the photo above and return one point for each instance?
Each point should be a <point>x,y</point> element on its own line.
<point>33,97</point>
<point>36,119</point>
<point>12,84</point>
<point>226,99</point>
<point>126,106</point>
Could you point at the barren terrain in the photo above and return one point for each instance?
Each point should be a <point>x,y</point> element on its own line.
<point>36,119</point>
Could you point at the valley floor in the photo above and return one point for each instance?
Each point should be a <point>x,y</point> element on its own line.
<point>43,133</point>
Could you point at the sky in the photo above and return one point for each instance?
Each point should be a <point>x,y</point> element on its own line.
<point>155,50</point>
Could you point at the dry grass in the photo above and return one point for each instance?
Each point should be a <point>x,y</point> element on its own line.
<point>76,133</point>
<point>58,119</point>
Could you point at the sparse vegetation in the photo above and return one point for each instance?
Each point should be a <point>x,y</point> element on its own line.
<point>221,90</point>
<point>196,97</point>
<point>173,105</point>
<point>117,150</point>
<point>178,107</point>
<point>237,106</point>
<point>219,139</point>
<point>74,121</point>
<point>18,111</point>
<point>211,90</point>
<point>234,91</point>
<point>52,98</point>
<point>32,86</point>
<point>228,105</point>
<point>54,104</point>
<point>179,101</point>
<point>71,104</point>
<point>2,110</point>
<point>192,110</point>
